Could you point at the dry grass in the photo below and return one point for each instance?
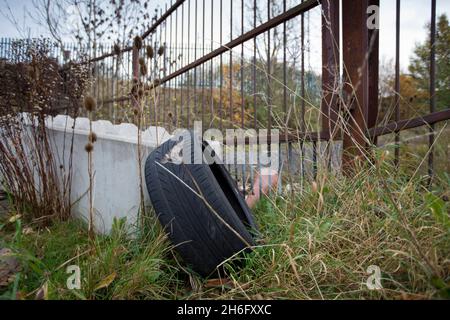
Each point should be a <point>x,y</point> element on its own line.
<point>315,245</point>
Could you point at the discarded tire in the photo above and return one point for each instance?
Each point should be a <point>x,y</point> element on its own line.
<point>200,207</point>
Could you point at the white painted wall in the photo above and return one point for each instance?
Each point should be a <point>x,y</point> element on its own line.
<point>116,178</point>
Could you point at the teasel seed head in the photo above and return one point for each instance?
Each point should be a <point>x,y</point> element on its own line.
<point>92,137</point>
<point>89,147</point>
<point>138,42</point>
<point>116,49</point>
<point>161,50</point>
<point>90,104</point>
<point>143,69</point>
<point>150,52</point>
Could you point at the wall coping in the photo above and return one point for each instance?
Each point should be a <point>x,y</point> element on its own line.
<point>124,132</point>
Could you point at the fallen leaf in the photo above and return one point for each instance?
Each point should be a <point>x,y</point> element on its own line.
<point>105,283</point>
<point>27,231</point>
<point>14,218</point>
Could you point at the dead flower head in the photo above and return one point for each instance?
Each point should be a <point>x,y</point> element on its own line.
<point>89,147</point>
<point>150,52</point>
<point>143,69</point>
<point>138,42</point>
<point>89,103</point>
<point>117,49</point>
<point>92,137</point>
<point>161,50</point>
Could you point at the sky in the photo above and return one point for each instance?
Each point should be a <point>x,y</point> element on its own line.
<point>414,16</point>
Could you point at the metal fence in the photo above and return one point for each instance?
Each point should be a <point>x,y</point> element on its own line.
<point>247,64</point>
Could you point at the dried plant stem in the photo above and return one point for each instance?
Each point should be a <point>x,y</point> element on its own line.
<point>140,156</point>
<point>91,229</point>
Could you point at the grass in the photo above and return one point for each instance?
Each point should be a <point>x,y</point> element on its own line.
<point>315,243</point>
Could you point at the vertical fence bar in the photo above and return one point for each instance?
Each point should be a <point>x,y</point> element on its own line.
<point>9,51</point>
<point>230,74</point>
<point>285,101</point>
<point>195,58</point>
<point>212,67</point>
<point>162,72</point>
<point>4,49</point>
<point>303,95</point>
<point>177,81</point>
<point>269,83</point>
<point>255,108</point>
<point>397,82</point>
<point>203,66</point>
<point>103,79</point>
<point>432,89</point>
<point>166,85</point>
<point>183,60</point>
<point>183,57</point>
<point>170,60</point>
<point>269,72</point>
<point>130,73</point>
<point>188,78</point>
<point>373,69</point>
<point>330,65</point>
<point>244,176</point>
<point>115,85</point>
<point>110,80</point>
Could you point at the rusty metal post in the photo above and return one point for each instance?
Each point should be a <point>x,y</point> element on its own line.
<point>374,57</point>
<point>356,85</point>
<point>330,66</point>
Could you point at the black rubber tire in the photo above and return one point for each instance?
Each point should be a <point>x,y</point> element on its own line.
<point>199,236</point>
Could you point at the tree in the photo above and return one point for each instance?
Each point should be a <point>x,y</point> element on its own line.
<point>420,63</point>
<point>93,21</point>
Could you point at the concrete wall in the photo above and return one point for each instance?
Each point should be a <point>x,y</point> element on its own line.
<point>115,165</point>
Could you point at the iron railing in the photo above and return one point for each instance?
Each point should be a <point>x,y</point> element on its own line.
<point>245,66</point>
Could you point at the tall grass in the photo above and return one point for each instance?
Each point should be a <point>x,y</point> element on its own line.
<point>317,244</point>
